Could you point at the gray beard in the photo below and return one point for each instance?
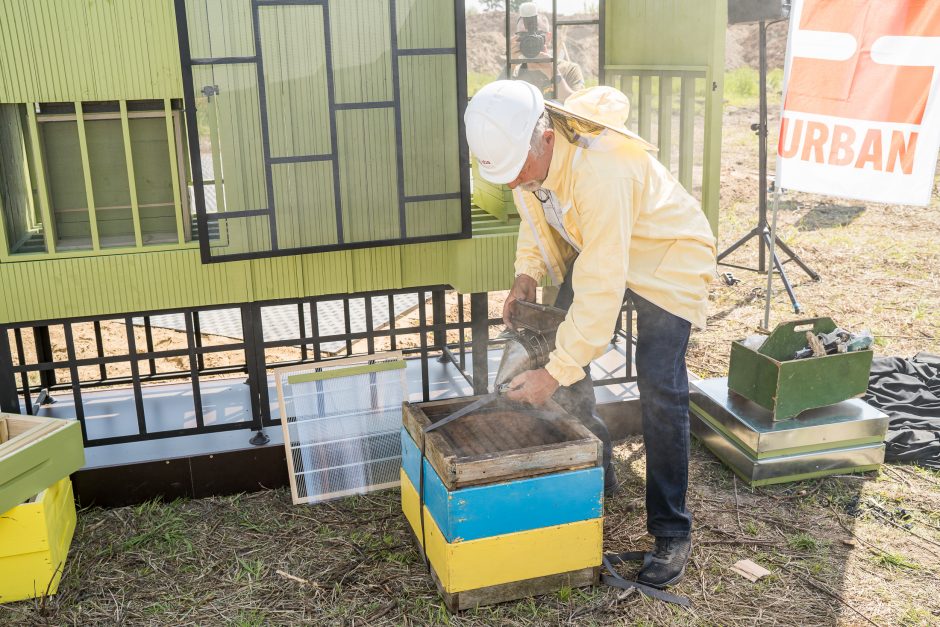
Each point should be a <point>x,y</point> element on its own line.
<point>531,186</point>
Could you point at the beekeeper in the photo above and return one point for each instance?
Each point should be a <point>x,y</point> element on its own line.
<point>602,217</point>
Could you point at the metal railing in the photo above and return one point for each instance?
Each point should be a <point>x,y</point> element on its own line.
<point>32,378</point>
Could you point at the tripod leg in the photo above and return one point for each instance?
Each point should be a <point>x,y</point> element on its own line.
<point>755,232</point>
<point>792,255</point>
<point>783,277</point>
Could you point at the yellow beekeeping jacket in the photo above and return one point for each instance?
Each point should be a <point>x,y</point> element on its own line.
<point>636,228</point>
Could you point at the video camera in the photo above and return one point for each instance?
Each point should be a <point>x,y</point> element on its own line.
<point>531,40</point>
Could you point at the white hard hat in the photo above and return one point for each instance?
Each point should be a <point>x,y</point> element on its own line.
<point>528,9</point>
<point>499,121</point>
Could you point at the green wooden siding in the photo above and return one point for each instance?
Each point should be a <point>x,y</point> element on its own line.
<point>120,283</point>
<point>67,50</point>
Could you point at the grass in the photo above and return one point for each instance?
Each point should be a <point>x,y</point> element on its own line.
<point>742,86</point>
<point>891,560</point>
<point>804,542</point>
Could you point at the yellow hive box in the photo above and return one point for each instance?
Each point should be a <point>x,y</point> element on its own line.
<point>34,541</point>
<point>488,562</point>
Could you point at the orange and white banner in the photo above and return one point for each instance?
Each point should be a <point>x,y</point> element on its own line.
<point>861,117</point>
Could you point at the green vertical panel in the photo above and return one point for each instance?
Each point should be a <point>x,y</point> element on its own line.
<point>295,80</point>
<point>15,192</point>
<point>219,28</point>
<point>154,179</point>
<point>368,175</point>
<point>86,170</point>
<point>433,217</point>
<point>645,107</point>
<point>129,154</point>
<point>714,109</point>
<point>665,120</point>
<point>429,120</point>
<point>361,41</point>
<point>230,140</point>
<point>686,129</point>
<point>66,181</point>
<point>42,189</point>
<point>306,206</point>
<point>425,23</point>
<point>239,121</point>
<point>106,158</point>
<point>175,183</point>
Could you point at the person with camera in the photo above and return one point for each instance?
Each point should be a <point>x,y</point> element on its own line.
<point>533,41</point>
<point>603,217</point>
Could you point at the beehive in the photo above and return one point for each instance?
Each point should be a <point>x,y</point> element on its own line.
<point>34,454</point>
<point>34,541</point>
<point>513,501</point>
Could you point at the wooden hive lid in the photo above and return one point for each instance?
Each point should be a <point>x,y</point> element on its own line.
<point>500,442</point>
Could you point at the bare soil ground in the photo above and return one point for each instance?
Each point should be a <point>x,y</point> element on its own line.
<point>848,550</point>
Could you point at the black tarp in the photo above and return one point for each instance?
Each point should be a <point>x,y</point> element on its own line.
<point>908,390</point>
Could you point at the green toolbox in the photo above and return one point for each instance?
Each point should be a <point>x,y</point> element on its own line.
<point>772,378</point>
<point>35,453</point>
<point>841,438</point>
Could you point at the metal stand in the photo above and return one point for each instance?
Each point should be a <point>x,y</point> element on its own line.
<point>762,230</point>
<point>260,438</point>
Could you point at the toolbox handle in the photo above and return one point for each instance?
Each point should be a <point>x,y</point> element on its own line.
<point>791,336</point>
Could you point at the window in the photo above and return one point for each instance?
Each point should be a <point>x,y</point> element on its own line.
<point>92,176</point>
<point>340,129</point>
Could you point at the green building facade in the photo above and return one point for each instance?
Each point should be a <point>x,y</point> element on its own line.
<point>170,155</point>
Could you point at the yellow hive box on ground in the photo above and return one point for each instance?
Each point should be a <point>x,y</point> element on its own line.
<point>34,542</point>
<point>524,555</point>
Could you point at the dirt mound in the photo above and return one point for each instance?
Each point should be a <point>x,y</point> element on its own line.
<point>486,46</point>
<point>742,46</point>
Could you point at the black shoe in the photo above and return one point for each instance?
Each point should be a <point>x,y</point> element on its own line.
<point>666,564</point>
<point>611,487</point>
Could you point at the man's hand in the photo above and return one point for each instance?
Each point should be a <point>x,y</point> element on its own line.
<point>532,386</point>
<point>523,288</point>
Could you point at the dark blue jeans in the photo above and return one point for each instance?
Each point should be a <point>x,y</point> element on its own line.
<point>662,340</point>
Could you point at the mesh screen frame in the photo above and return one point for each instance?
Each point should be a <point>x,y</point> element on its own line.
<point>341,421</point>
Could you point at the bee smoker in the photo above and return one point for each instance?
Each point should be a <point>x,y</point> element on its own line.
<point>529,344</point>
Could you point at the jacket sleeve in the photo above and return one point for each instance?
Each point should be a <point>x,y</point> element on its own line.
<point>605,207</point>
<point>528,255</point>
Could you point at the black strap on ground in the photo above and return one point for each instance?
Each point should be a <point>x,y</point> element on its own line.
<point>614,579</point>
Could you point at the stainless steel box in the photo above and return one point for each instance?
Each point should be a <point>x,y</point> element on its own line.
<point>841,438</point>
